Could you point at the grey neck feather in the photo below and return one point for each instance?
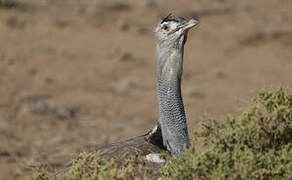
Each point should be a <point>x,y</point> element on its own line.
<point>172,119</point>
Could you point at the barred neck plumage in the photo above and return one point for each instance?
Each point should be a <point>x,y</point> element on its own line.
<point>172,118</point>
<point>171,35</point>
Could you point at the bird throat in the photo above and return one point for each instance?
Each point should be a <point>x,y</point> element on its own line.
<point>170,62</point>
<point>170,67</point>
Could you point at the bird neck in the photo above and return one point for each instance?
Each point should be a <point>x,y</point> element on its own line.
<point>172,118</point>
<point>169,72</point>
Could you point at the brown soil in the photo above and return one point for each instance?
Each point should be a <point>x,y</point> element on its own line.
<point>75,74</point>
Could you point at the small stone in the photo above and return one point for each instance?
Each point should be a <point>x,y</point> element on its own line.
<point>195,93</point>
<point>150,4</point>
<point>142,30</point>
<point>33,71</point>
<point>120,6</point>
<point>61,23</point>
<point>11,62</point>
<point>126,57</point>
<point>220,75</point>
<point>49,80</point>
<point>15,22</point>
<point>127,83</point>
<point>124,26</point>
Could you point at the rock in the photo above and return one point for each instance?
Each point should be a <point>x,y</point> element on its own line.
<point>142,30</point>
<point>61,23</point>
<point>40,106</point>
<point>126,56</point>
<point>220,75</point>
<point>119,6</point>
<point>14,22</point>
<point>150,4</point>
<point>124,26</point>
<point>125,85</point>
<point>195,93</point>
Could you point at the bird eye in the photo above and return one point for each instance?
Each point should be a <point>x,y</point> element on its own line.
<point>165,27</point>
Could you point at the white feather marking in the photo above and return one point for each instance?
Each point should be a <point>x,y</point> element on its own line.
<point>154,157</point>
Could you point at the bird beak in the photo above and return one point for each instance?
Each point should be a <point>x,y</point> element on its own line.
<point>188,25</point>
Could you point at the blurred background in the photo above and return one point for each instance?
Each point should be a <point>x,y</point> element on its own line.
<point>79,73</point>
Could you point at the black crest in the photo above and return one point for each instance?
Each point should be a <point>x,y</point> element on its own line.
<point>166,18</point>
<point>171,17</point>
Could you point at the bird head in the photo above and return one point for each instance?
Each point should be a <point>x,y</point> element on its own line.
<point>172,31</point>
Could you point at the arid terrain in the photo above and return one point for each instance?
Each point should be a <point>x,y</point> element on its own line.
<point>75,74</point>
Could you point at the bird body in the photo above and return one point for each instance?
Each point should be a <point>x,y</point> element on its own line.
<point>171,35</point>
<point>171,130</point>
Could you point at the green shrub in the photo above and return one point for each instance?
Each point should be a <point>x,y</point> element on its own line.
<point>255,145</point>
<point>91,166</point>
<point>4,2</point>
<point>8,4</point>
<point>38,176</point>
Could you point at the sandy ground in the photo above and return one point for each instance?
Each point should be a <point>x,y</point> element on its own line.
<point>75,74</point>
